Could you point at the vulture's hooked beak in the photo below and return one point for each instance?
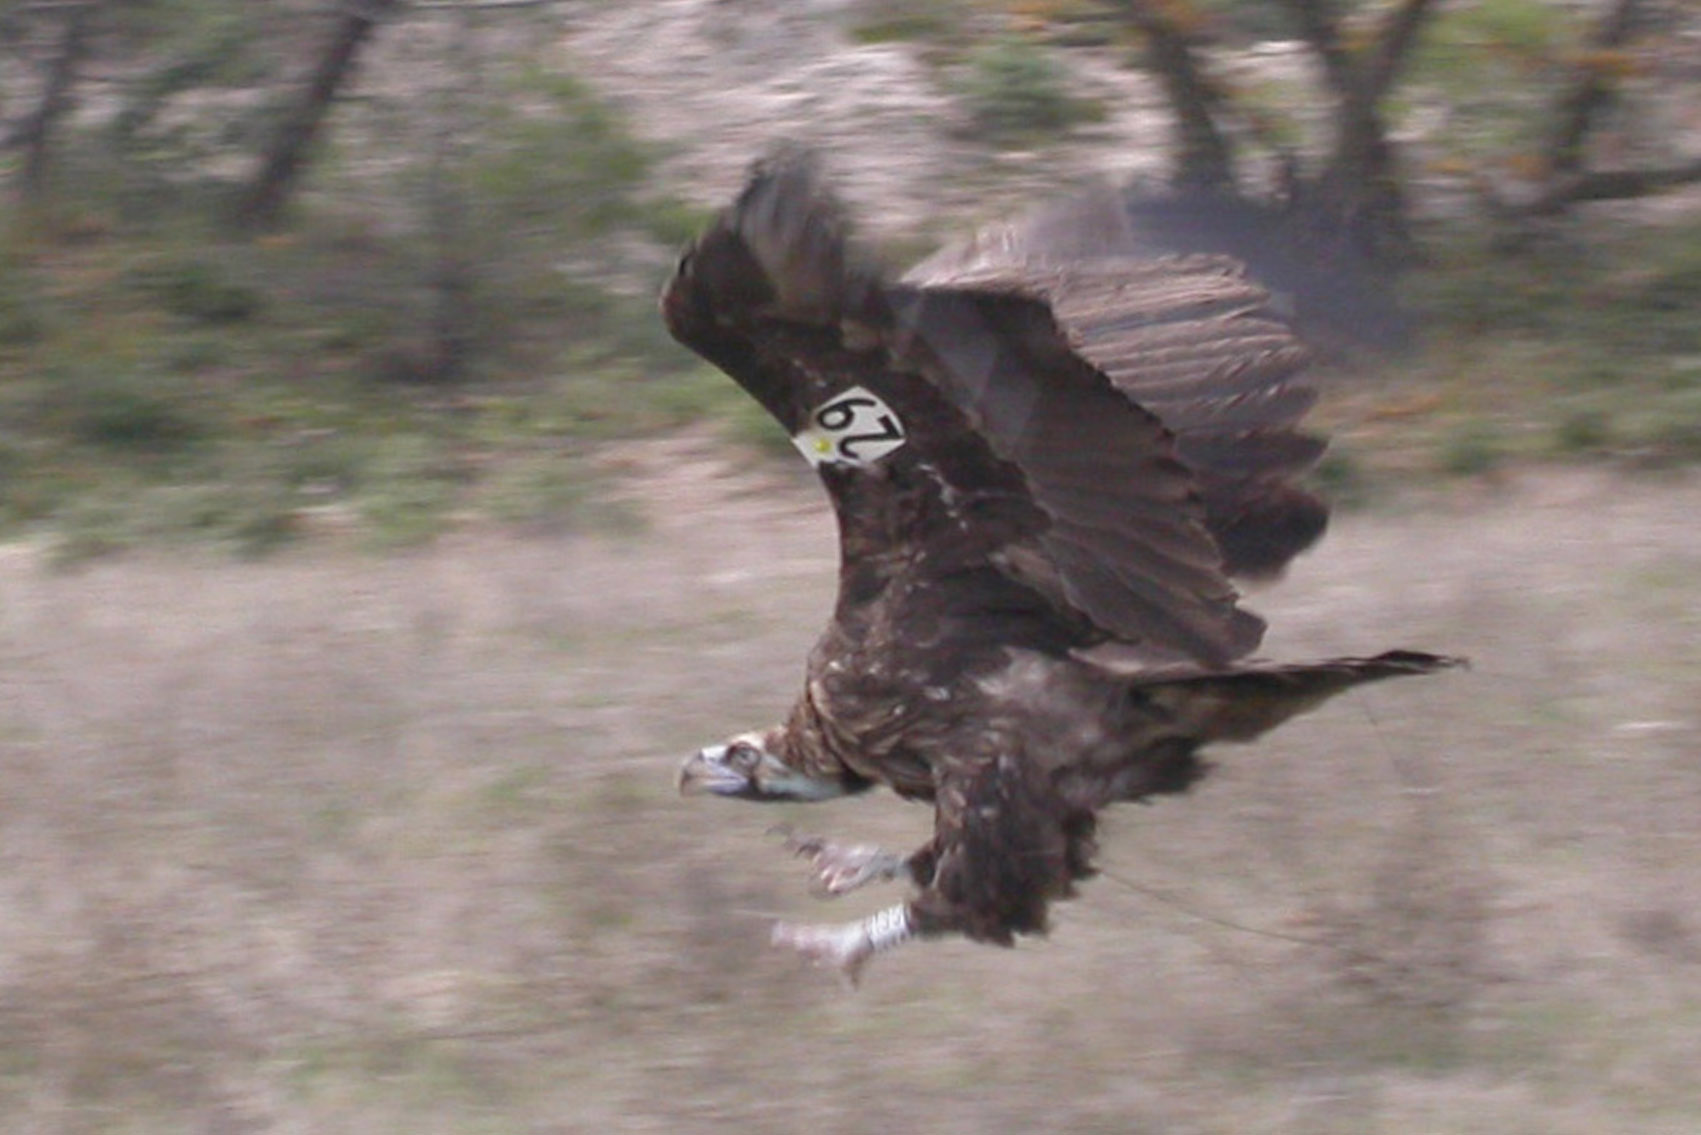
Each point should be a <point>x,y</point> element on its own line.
<point>747,768</point>
<point>719,770</point>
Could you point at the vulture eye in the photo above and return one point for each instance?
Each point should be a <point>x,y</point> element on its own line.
<point>742,756</point>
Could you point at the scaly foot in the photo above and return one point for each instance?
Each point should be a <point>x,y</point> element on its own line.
<point>841,868</point>
<point>847,946</point>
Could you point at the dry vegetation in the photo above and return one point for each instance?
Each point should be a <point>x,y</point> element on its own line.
<point>340,841</point>
<point>332,843</point>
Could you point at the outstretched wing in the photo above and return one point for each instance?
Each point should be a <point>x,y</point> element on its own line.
<point>1188,338</point>
<point>964,423</point>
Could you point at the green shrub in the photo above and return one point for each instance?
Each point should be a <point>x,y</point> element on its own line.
<point>197,290</point>
<point>408,489</point>
<point>1582,432</point>
<point>671,221</point>
<point>572,172</point>
<point>1673,435</point>
<point>1529,28</point>
<point>1340,478</point>
<point>1251,20</point>
<point>1471,449</point>
<point>1015,90</point>
<point>124,408</point>
<point>21,320</point>
<point>907,21</point>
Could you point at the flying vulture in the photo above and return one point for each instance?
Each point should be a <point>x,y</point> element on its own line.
<point>1047,460</point>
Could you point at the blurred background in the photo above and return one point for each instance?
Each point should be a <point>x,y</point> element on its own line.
<point>369,559</point>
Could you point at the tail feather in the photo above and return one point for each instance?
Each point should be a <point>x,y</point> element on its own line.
<point>1244,704</point>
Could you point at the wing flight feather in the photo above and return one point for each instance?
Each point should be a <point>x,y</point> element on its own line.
<point>1190,339</point>
<point>1119,431</point>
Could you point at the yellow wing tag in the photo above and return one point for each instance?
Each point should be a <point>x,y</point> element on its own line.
<point>853,428</point>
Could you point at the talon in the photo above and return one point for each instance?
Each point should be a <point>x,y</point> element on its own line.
<point>839,868</point>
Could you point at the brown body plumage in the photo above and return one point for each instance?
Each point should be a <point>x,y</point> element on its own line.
<point>1046,459</point>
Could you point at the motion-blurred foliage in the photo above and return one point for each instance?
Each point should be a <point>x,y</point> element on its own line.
<point>161,377</point>
<point>1017,92</point>
<point>461,295</point>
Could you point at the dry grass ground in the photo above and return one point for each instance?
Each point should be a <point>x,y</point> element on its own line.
<point>335,843</point>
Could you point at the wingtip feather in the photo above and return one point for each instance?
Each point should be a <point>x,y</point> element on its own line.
<point>799,235</point>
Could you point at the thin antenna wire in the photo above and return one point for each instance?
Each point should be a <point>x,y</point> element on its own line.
<point>1406,771</point>
<point>1203,915</point>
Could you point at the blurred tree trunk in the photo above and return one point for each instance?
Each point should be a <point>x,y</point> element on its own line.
<point>1359,193</point>
<point>1590,92</point>
<point>453,279</point>
<point>1205,158</point>
<point>35,134</point>
<point>1567,180</point>
<point>1355,198</point>
<point>263,199</point>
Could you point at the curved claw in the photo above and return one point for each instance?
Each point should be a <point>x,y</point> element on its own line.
<point>842,868</point>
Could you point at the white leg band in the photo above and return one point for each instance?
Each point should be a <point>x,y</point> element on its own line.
<point>888,928</point>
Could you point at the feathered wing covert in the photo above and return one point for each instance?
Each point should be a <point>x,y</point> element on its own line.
<point>1046,462</point>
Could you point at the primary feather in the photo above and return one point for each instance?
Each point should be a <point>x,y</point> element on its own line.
<point>1047,459</point>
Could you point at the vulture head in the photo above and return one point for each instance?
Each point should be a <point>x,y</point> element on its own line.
<point>749,767</point>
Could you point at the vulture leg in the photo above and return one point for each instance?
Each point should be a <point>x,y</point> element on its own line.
<point>847,946</point>
<point>841,868</point>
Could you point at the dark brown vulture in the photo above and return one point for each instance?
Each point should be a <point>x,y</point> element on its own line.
<point>1047,461</point>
